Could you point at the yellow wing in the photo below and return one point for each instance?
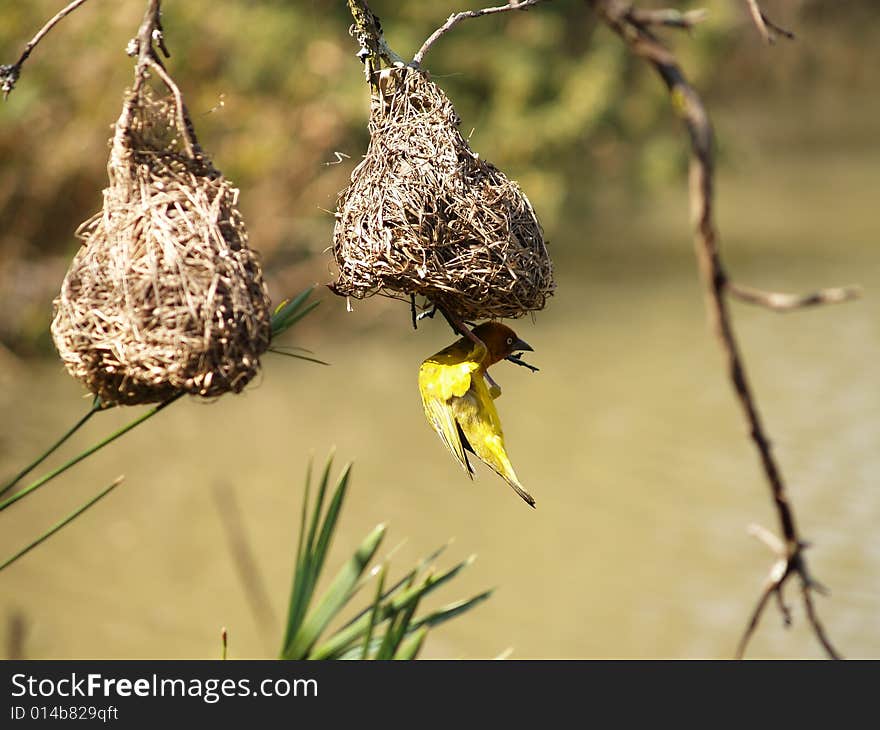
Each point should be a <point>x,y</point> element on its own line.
<point>480,427</point>
<point>442,378</point>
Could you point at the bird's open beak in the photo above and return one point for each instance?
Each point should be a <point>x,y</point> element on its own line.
<point>522,346</point>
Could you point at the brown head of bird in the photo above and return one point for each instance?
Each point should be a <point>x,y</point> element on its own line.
<point>500,341</point>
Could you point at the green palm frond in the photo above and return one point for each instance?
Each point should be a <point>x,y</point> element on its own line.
<point>291,311</point>
<point>388,627</point>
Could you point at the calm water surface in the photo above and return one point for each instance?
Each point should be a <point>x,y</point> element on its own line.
<point>629,438</point>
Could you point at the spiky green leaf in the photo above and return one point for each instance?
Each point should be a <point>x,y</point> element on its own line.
<point>335,598</point>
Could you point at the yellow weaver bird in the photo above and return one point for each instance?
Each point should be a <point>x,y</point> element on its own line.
<point>458,395</point>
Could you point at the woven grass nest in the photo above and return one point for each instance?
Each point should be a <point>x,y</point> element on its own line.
<point>425,215</point>
<point>164,297</point>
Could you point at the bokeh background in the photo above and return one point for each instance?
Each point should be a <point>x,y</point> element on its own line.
<point>629,437</point>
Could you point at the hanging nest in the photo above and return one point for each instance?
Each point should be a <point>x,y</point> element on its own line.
<point>164,297</point>
<point>425,215</point>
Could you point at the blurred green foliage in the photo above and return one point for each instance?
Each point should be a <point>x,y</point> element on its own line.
<point>276,92</point>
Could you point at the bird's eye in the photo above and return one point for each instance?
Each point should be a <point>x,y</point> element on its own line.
<point>510,340</point>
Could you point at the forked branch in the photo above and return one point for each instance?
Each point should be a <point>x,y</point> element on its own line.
<point>669,17</point>
<point>150,34</point>
<point>456,18</point>
<point>767,28</point>
<point>783,302</point>
<point>374,51</point>
<point>10,74</point>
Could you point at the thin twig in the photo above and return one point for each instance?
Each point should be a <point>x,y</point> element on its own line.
<point>766,27</point>
<point>182,119</point>
<point>670,18</point>
<point>10,74</point>
<point>456,18</point>
<point>150,32</point>
<point>58,525</point>
<point>96,406</point>
<point>759,532</point>
<point>517,360</point>
<point>296,355</point>
<point>783,567</point>
<point>782,302</point>
<point>85,454</point>
<point>813,618</point>
<point>459,326</point>
<point>753,619</point>
<point>779,571</point>
<point>619,17</point>
<point>374,51</point>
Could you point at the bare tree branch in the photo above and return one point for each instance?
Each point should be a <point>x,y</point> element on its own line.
<point>669,17</point>
<point>767,28</point>
<point>813,618</point>
<point>782,302</point>
<point>783,567</point>
<point>767,591</point>
<point>142,45</point>
<point>374,51</point>
<point>456,18</point>
<point>149,33</point>
<point>457,324</point>
<point>9,74</point>
<point>621,18</point>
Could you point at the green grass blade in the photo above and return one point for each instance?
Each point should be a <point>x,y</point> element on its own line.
<point>291,305</point>
<point>335,598</point>
<point>290,312</point>
<point>450,611</point>
<point>295,348</point>
<point>397,630</point>
<point>355,652</point>
<point>392,631</point>
<point>305,509</point>
<point>96,406</point>
<point>374,611</point>
<point>313,565</point>
<point>405,580</point>
<point>342,640</point>
<point>319,505</point>
<point>412,646</point>
<point>85,454</point>
<point>300,591</point>
<point>295,317</point>
<point>297,356</point>
<point>313,552</point>
<point>288,307</point>
<point>57,526</point>
<point>385,651</point>
<point>322,545</point>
